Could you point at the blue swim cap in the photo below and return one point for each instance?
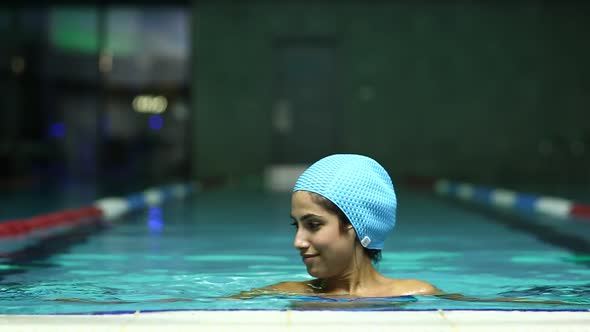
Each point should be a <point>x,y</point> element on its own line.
<point>361,188</point>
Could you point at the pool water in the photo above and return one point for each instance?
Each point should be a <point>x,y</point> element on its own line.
<point>187,255</point>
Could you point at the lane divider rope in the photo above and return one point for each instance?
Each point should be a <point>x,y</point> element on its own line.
<point>108,209</point>
<point>503,198</point>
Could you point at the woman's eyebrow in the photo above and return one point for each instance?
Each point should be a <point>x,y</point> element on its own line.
<point>306,217</point>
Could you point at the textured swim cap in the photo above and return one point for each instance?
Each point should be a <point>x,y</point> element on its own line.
<point>361,188</point>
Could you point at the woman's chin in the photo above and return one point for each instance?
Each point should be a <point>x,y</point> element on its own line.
<point>316,274</point>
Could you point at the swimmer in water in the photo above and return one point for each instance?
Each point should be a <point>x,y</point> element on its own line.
<point>343,207</point>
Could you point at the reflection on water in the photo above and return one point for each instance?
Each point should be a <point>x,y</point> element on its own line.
<point>570,293</point>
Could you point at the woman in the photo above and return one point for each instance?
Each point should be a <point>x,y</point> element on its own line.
<point>343,207</point>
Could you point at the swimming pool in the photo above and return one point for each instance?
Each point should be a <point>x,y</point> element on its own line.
<point>219,243</point>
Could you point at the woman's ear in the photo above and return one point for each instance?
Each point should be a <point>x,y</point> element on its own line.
<point>346,226</point>
<point>351,231</point>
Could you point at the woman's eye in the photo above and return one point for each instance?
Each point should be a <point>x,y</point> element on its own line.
<point>314,225</point>
<point>294,224</point>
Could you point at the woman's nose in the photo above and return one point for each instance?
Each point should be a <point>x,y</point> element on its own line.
<point>300,242</point>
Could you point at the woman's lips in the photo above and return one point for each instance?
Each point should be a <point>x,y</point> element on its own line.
<point>308,258</point>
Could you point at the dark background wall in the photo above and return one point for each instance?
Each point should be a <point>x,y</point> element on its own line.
<point>495,93</point>
<point>478,91</point>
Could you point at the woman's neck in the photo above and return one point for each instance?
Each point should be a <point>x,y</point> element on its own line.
<point>359,280</point>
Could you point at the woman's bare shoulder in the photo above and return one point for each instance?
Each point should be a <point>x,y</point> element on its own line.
<point>414,287</point>
<point>291,286</point>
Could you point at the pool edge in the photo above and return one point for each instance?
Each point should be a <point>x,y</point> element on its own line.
<point>293,320</point>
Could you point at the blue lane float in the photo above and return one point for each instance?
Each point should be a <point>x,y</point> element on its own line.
<point>114,207</point>
<point>503,198</point>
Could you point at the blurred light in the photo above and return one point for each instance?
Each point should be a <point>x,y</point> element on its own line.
<point>57,130</point>
<point>155,221</point>
<point>105,63</point>
<point>180,112</point>
<point>17,64</point>
<point>150,104</point>
<point>282,117</point>
<point>156,122</point>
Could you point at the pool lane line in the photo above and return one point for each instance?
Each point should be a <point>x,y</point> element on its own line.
<point>506,207</point>
<point>64,218</point>
<point>509,212</point>
<point>35,255</point>
<point>113,208</point>
<point>502,198</point>
<point>547,233</point>
<point>108,209</point>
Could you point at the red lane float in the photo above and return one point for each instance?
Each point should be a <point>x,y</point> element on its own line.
<point>580,211</point>
<point>21,227</point>
<point>108,209</point>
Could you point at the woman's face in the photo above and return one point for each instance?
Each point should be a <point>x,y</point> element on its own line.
<point>326,247</point>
